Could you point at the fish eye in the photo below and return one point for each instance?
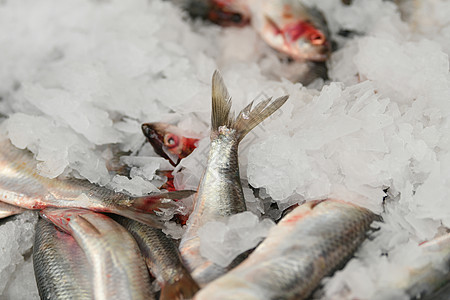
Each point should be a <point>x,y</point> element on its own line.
<point>236,18</point>
<point>170,140</point>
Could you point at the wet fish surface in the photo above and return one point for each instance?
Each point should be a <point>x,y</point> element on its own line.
<point>7,210</point>
<point>220,192</point>
<point>306,245</point>
<point>60,265</point>
<point>163,260</point>
<point>21,185</point>
<point>119,271</point>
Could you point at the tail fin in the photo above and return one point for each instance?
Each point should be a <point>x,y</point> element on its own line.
<point>184,288</point>
<point>247,118</point>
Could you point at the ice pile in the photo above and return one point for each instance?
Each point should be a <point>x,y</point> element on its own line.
<point>16,269</point>
<point>80,76</point>
<point>222,242</point>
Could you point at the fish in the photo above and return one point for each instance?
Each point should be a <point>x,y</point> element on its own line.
<point>7,210</point>
<point>163,260</point>
<point>308,244</point>
<point>119,271</point>
<point>221,12</point>
<point>22,186</point>
<point>220,194</point>
<point>425,282</point>
<point>292,28</point>
<point>169,141</point>
<point>60,266</point>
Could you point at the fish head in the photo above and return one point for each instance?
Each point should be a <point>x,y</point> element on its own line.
<point>229,13</point>
<point>60,217</point>
<point>298,31</point>
<point>168,141</point>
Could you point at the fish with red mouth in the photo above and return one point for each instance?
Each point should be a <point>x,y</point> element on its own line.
<point>169,141</point>
<point>292,28</point>
<point>288,26</point>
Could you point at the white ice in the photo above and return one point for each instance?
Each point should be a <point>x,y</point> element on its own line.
<point>79,77</point>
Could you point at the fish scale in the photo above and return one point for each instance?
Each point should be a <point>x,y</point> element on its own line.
<point>308,244</point>
<point>60,266</point>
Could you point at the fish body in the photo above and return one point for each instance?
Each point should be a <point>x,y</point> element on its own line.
<point>220,192</point>
<point>426,280</point>
<point>119,271</point>
<point>7,210</point>
<point>163,260</point>
<point>21,185</point>
<point>169,141</point>
<point>292,28</point>
<point>61,268</point>
<point>306,245</point>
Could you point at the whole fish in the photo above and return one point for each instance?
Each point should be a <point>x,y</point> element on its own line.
<point>220,192</point>
<point>169,141</point>
<point>21,185</point>
<point>163,260</point>
<point>7,210</point>
<point>119,271</point>
<point>60,265</point>
<point>306,245</point>
<point>292,28</point>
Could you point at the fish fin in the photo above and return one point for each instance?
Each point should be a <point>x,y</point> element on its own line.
<point>140,216</point>
<point>221,103</point>
<point>249,118</point>
<point>183,288</point>
<point>143,209</point>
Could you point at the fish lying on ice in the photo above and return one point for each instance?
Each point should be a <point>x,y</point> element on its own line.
<point>292,28</point>
<point>119,271</point>
<point>306,245</point>
<point>220,192</point>
<point>61,268</point>
<point>163,260</point>
<point>21,185</point>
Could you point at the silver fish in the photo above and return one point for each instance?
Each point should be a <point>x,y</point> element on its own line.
<point>60,266</point>
<point>423,282</point>
<point>21,185</point>
<point>119,271</point>
<point>220,192</point>
<point>163,260</point>
<point>307,245</point>
<point>7,210</point>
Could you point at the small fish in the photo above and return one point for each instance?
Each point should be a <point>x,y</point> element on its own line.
<point>7,210</point>
<point>306,245</point>
<point>61,268</point>
<point>169,141</point>
<point>220,192</point>
<point>163,260</point>
<point>21,185</point>
<point>119,271</point>
<point>292,28</point>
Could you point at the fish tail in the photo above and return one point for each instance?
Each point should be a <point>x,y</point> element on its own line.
<point>247,119</point>
<point>183,288</point>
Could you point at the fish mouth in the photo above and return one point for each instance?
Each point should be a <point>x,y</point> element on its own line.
<point>155,138</point>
